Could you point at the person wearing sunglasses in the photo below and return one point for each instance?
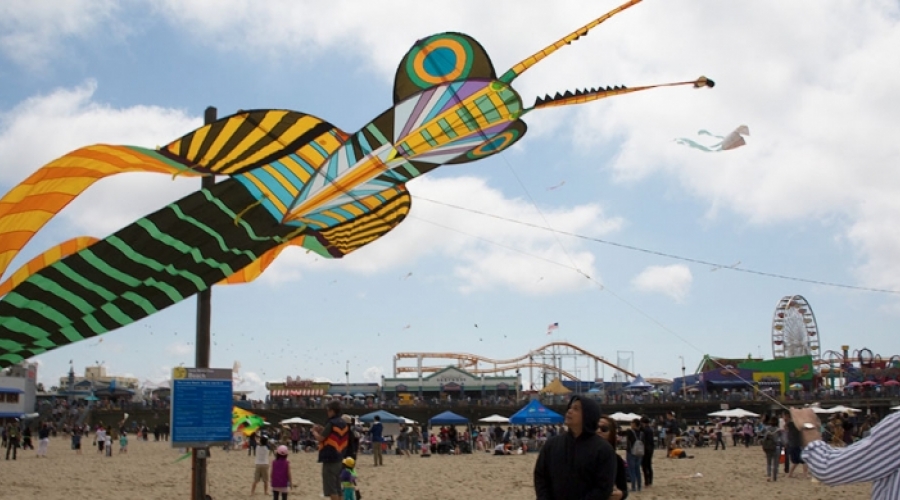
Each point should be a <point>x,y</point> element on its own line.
<point>607,429</point>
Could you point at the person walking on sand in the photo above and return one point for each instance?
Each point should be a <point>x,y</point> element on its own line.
<point>43,440</point>
<point>100,438</point>
<point>12,439</point>
<point>771,444</point>
<point>333,439</point>
<point>648,437</point>
<point>261,466</point>
<point>281,474</point>
<point>634,454</point>
<point>377,441</point>
<point>77,433</point>
<point>719,439</point>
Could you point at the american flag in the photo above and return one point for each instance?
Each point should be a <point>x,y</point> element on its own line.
<point>551,327</point>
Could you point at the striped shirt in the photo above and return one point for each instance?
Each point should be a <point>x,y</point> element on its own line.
<point>875,458</point>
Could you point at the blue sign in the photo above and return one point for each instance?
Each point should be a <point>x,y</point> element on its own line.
<point>202,401</point>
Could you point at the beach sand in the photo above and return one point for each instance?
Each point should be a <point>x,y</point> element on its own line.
<point>149,472</point>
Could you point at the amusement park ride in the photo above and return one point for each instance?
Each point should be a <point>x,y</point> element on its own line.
<point>796,333</point>
<point>550,359</point>
<point>794,329</point>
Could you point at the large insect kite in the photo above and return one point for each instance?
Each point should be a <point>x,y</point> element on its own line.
<point>294,179</point>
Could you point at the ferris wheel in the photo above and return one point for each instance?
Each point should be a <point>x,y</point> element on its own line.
<point>794,329</point>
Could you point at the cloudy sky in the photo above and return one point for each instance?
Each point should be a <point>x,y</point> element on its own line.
<point>518,241</point>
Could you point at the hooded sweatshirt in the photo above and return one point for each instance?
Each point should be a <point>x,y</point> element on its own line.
<point>582,468</point>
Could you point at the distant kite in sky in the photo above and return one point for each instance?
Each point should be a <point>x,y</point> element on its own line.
<point>293,180</point>
<point>557,186</point>
<point>733,140</point>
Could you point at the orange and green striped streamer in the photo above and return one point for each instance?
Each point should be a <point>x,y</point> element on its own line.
<point>36,200</point>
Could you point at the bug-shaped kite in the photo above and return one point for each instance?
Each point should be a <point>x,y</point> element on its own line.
<point>294,179</point>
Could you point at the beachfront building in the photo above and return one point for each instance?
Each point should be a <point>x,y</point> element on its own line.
<point>452,383</point>
<point>355,390</point>
<point>295,388</point>
<point>18,385</point>
<point>775,375</point>
<point>97,383</point>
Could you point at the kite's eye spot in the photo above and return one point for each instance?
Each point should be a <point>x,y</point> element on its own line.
<point>497,85</point>
<point>515,116</point>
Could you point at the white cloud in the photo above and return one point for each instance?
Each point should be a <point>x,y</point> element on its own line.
<point>673,281</point>
<point>251,381</point>
<point>821,116</point>
<point>73,118</point>
<point>180,349</point>
<point>373,374</point>
<point>33,32</point>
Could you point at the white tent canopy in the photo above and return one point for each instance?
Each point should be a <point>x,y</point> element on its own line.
<point>623,417</point>
<point>407,421</point>
<point>495,419</point>
<point>896,408</point>
<point>733,413</point>
<point>297,421</point>
<point>836,409</point>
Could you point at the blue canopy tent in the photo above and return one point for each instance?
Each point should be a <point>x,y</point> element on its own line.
<point>535,413</point>
<point>639,384</point>
<point>448,418</point>
<point>386,417</point>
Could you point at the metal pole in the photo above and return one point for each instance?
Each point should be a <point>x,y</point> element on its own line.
<point>201,359</point>
<point>683,379</point>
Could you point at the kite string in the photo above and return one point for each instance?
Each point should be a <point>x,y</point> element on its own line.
<point>663,254</point>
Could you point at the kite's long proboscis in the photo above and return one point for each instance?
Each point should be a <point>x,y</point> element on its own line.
<point>587,95</point>
<point>530,61</point>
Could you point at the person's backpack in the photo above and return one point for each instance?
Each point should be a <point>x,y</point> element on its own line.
<point>770,441</point>
<point>637,449</point>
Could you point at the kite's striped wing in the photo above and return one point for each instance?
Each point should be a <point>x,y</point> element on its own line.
<point>343,229</point>
<point>31,204</point>
<point>246,140</point>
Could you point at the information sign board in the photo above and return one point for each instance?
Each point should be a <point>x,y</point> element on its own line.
<point>201,406</point>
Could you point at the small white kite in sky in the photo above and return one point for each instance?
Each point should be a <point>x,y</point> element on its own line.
<point>733,140</point>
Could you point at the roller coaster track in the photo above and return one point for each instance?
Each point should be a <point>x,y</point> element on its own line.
<point>479,371</point>
<point>470,361</point>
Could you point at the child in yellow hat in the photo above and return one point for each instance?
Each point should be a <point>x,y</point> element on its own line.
<point>348,479</point>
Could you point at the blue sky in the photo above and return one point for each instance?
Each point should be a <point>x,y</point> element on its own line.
<point>812,195</point>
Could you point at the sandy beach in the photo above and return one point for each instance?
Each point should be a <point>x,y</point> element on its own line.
<point>149,471</point>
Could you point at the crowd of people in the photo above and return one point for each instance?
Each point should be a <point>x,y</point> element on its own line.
<point>582,461</point>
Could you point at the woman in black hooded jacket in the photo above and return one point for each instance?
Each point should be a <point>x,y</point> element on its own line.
<point>578,464</point>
